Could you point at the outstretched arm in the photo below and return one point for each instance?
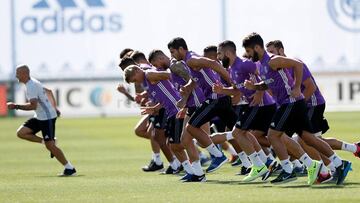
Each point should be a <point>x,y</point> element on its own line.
<point>202,62</point>
<point>284,62</point>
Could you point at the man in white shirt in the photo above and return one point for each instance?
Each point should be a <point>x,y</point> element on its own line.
<point>42,101</point>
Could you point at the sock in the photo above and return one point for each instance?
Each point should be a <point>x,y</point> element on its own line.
<point>262,156</point>
<point>348,147</point>
<point>307,161</point>
<point>231,150</point>
<point>332,168</point>
<point>336,160</point>
<point>42,141</point>
<point>187,167</point>
<point>157,158</point>
<point>271,156</point>
<point>69,166</point>
<point>255,160</point>
<point>229,135</point>
<point>214,150</point>
<point>197,168</point>
<point>324,170</point>
<point>286,165</point>
<point>244,160</point>
<point>296,163</point>
<point>174,165</point>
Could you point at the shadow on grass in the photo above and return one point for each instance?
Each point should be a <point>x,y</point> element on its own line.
<point>59,176</point>
<point>233,182</point>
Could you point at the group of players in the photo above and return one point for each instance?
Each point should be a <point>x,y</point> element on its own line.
<point>263,104</point>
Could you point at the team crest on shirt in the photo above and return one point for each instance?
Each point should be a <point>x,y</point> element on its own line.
<point>196,79</point>
<point>153,93</point>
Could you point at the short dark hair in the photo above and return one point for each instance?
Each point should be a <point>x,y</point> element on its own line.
<point>137,56</point>
<point>154,54</point>
<point>124,52</point>
<point>227,44</point>
<point>276,43</point>
<point>125,62</point>
<point>176,43</point>
<point>130,71</point>
<point>253,39</point>
<point>211,48</point>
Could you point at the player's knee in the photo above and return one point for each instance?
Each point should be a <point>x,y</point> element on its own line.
<point>50,145</point>
<point>139,132</point>
<point>20,134</point>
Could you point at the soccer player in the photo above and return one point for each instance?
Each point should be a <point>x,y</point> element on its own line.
<point>44,119</point>
<point>292,110</point>
<point>316,107</point>
<point>315,103</point>
<point>180,76</point>
<point>203,71</point>
<point>161,90</point>
<point>217,125</point>
<point>257,116</point>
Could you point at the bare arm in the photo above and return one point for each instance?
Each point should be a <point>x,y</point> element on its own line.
<point>310,88</point>
<point>155,77</point>
<point>51,97</point>
<point>29,106</point>
<point>178,68</point>
<point>123,90</point>
<point>284,62</point>
<point>201,62</point>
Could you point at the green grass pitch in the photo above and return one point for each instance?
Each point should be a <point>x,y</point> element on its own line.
<point>108,157</point>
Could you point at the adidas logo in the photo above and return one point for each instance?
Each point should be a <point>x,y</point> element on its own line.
<point>74,16</point>
<point>272,124</point>
<point>46,137</point>
<point>238,123</point>
<point>157,124</point>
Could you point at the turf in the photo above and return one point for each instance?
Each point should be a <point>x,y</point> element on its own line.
<point>108,157</point>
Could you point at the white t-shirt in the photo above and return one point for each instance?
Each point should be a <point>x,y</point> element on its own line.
<point>44,109</point>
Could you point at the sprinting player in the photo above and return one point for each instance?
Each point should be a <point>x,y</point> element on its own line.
<point>158,120</point>
<point>161,90</point>
<point>180,76</point>
<point>290,114</point>
<point>217,125</point>
<point>203,72</point>
<point>257,116</point>
<point>316,104</point>
<point>316,107</point>
<point>44,119</point>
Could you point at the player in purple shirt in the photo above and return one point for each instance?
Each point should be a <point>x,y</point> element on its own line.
<point>218,126</point>
<point>316,105</point>
<point>292,110</point>
<point>257,116</point>
<point>144,127</point>
<point>161,90</point>
<point>155,124</point>
<point>180,76</point>
<point>203,72</point>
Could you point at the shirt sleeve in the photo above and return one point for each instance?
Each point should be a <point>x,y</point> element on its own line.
<point>306,73</point>
<point>32,91</point>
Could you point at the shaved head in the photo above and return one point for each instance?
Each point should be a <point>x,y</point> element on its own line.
<point>22,73</point>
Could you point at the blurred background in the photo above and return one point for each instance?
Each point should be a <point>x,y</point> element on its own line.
<point>73,46</point>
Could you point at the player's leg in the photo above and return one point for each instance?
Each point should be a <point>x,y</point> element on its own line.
<point>48,133</point>
<point>28,131</point>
